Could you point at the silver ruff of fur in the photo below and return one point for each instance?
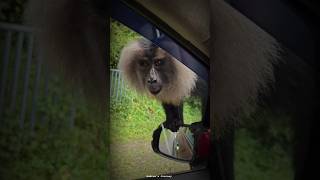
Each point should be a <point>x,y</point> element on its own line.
<point>243,57</point>
<point>179,88</point>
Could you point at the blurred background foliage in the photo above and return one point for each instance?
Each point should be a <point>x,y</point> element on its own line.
<point>68,141</point>
<point>12,10</point>
<point>69,137</point>
<point>120,35</point>
<point>263,147</point>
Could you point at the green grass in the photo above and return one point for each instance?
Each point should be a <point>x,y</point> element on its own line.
<point>120,35</point>
<point>137,116</point>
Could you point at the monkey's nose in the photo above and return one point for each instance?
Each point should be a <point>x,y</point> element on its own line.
<point>151,81</point>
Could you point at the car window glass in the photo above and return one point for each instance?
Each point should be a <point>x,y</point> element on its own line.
<point>134,116</point>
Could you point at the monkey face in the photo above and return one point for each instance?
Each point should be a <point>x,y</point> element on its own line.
<point>155,68</point>
<point>149,69</point>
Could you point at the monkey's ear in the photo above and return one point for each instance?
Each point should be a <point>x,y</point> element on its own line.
<point>72,39</point>
<point>129,55</point>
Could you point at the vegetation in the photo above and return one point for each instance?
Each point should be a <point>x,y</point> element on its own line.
<point>256,160</point>
<point>68,139</point>
<point>120,35</point>
<point>65,143</point>
<point>136,116</point>
<point>263,147</point>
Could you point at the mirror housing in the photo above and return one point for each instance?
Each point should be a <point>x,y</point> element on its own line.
<point>174,145</point>
<point>191,143</point>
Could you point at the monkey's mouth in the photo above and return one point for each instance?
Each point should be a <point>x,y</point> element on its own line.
<point>154,89</point>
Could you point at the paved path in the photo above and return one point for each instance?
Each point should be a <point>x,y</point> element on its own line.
<point>136,159</point>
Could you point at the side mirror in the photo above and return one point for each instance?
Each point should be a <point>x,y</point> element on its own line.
<point>175,145</point>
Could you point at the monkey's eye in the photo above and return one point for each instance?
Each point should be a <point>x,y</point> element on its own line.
<point>143,63</point>
<point>158,62</point>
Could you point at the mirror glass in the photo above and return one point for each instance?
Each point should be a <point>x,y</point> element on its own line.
<point>178,145</point>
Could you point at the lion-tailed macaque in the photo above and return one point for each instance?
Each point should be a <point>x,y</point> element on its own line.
<point>152,71</point>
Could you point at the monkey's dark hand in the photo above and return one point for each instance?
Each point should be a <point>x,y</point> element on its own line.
<point>173,125</point>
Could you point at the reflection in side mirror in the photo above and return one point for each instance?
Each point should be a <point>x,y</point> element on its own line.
<point>178,145</point>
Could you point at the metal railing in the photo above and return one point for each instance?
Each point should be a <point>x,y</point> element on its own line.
<point>117,85</point>
<point>17,55</point>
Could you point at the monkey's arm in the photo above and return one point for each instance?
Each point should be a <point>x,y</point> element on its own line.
<point>174,116</point>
